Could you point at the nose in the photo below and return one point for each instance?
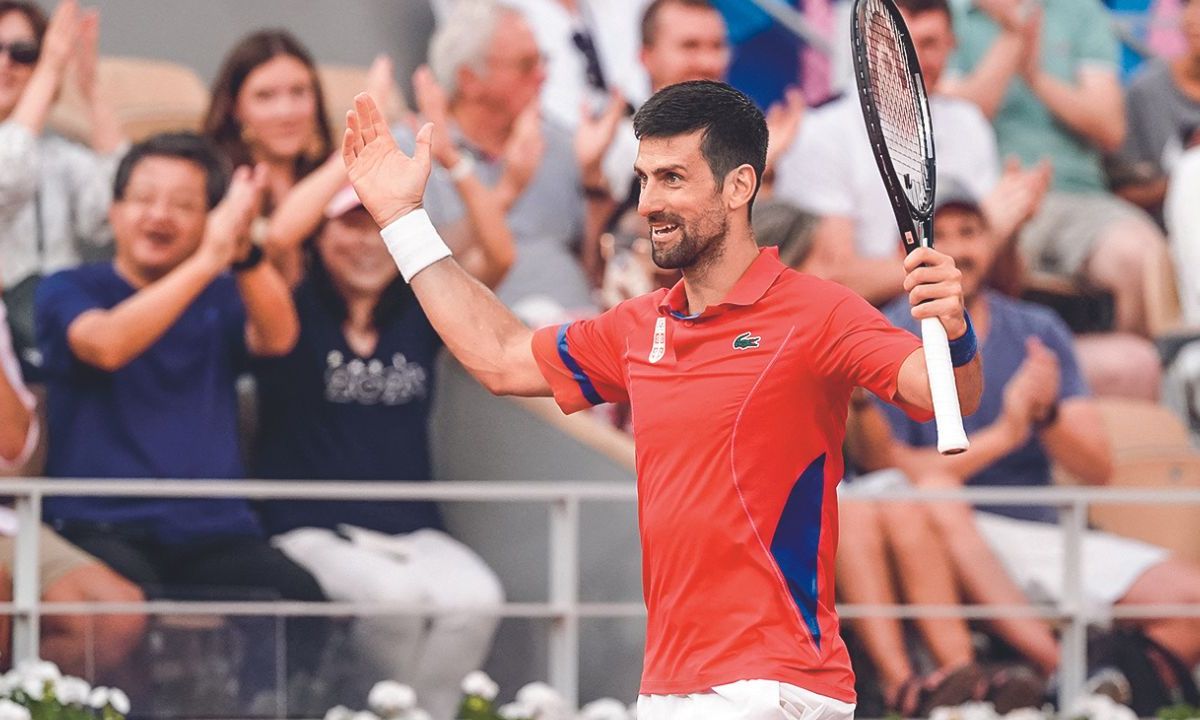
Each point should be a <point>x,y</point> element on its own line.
<point>649,200</point>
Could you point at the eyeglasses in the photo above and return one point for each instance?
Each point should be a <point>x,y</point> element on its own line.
<point>22,52</point>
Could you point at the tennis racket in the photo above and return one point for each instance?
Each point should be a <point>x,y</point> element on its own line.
<point>896,109</point>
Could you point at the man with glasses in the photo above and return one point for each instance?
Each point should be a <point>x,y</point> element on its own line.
<point>54,194</point>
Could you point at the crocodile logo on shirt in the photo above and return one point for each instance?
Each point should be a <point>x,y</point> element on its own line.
<point>745,341</point>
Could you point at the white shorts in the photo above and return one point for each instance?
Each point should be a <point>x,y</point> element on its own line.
<point>745,700</point>
<point>1032,552</point>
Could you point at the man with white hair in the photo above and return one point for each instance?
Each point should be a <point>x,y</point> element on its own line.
<point>486,59</point>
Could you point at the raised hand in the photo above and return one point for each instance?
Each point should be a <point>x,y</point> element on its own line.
<point>522,154</point>
<point>433,106</point>
<point>87,55</point>
<point>1016,197</point>
<point>61,36</point>
<point>389,183</point>
<point>1034,388</point>
<point>381,85</point>
<point>783,121</point>
<point>1031,33</point>
<point>595,135</point>
<point>227,230</point>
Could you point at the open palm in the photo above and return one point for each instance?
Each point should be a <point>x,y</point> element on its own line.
<point>389,183</point>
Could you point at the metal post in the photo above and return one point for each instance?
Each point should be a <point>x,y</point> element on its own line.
<point>563,672</point>
<point>1072,671</point>
<point>27,617</point>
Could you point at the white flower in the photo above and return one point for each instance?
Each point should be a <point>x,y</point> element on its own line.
<point>479,684</point>
<point>72,690</point>
<point>544,701</point>
<point>1100,707</point>
<point>604,709</point>
<point>365,715</point>
<point>10,710</point>
<point>340,712</point>
<point>515,711</point>
<point>391,698</point>
<point>417,714</point>
<point>34,687</point>
<point>98,698</point>
<point>118,700</point>
<point>38,670</point>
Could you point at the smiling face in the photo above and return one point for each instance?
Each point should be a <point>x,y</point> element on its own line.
<point>14,28</point>
<point>689,43</point>
<point>159,220</point>
<point>277,109</point>
<point>681,201</point>
<point>354,255</point>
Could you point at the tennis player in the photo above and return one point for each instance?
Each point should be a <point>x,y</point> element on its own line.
<point>739,379</point>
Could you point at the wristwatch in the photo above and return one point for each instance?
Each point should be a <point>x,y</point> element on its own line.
<point>252,259</point>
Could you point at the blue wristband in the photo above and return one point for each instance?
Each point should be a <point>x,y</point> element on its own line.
<point>962,349</point>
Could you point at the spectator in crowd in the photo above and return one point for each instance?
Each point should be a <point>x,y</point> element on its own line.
<point>65,573</point>
<point>267,107</point>
<point>1036,411</point>
<point>54,193</point>
<point>681,40</point>
<point>1163,107</point>
<point>352,401</point>
<point>486,60</point>
<point>1048,78</point>
<point>831,171</point>
<point>141,355</point>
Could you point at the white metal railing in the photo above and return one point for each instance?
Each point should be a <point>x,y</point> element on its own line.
<point>564,607</point>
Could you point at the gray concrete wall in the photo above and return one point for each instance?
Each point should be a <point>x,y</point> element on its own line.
<point>198,33</point>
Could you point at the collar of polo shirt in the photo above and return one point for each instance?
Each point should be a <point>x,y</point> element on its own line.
<point>749,289</point>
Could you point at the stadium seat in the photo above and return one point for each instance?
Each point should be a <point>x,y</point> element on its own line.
<point>1151,450</point>
<point>340,84</point>
<point>148,97</point>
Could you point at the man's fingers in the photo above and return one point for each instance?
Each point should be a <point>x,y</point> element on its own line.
<point>379,126</point>
<point>348,152</point>
<point>363,104</point>
<point>424,139</point>
<point>354,133</point>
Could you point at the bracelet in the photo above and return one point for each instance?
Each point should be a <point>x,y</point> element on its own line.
<point>414,243</point>
<point>251,261</point>
<point>462,169</point>
<point>963,348</point>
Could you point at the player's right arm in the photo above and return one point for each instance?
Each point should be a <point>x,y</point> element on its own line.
<point>485,336</point>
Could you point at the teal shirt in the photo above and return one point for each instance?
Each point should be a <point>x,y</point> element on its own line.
<point>1075,34</point>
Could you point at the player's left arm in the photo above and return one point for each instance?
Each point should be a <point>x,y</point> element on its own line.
<point>934,287</point>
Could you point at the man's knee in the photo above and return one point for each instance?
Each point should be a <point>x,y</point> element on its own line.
<point>96,583</point>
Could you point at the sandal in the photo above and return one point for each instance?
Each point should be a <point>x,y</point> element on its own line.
<point>919,695</point>
<point>1010,687</point>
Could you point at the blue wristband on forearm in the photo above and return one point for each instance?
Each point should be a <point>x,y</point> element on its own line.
<point>963,349</point>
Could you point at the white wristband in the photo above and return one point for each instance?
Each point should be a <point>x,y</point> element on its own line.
<point>414,243</point>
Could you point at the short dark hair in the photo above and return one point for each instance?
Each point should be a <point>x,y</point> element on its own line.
<point>920,7</point>
<point>32,13</point>
<point>185,146</point>
<point>735,132</point>
<point>650,17</point>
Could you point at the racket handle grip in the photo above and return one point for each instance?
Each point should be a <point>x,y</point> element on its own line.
<point>952,439</point>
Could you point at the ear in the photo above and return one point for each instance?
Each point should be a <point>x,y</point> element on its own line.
<point>740,183</point>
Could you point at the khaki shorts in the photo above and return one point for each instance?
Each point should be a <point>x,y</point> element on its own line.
<point>1060,238</point>
<point>56,557</point>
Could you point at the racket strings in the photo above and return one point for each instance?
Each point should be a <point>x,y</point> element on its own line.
<point>897,100</point>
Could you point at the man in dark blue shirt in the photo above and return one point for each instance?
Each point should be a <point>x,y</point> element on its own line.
<point>1035,411</point>
<point>141,356</point>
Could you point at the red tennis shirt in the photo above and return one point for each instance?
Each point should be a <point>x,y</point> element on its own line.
<point>738,418</point>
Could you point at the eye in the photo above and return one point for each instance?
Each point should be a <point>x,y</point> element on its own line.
<point>674,178</point>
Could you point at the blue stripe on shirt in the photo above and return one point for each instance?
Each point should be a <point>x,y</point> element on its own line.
<point>585,382</point>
